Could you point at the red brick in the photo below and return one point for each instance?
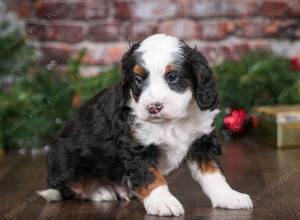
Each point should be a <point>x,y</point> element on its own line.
<point>294,8</point>
<point>105,54</point>
<point>282,28</point>
<point>183,28</point>
<point>276,8</point>
<point>212,53</point>
<point>52,10</point>
<point>218,52</point>
<point>36,30</point>
<point>272,28</point>
<point>289,29</point>
<point>242,48</point>
<point>297,34</point>
<point>56,51</point>
<point>23,8</point>
<point>123,9</point>
<point>259,43</point>
<point>214,30</point>
<point>139,30</point>
<point>259,28</point>
<point>250,28</point>
<point>234,51</point>
<point>214,8</point>
<point>69,9</point>
<point>89,9</point>
<point>114,53</point>
<point>66,32</point>
<point>146,9</point>
<point>104,32</point>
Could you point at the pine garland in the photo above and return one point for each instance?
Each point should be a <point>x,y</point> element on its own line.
<point>15,54</point>
<point>259,78</point>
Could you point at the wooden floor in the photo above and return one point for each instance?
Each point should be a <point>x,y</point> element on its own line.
<point>271,178</point>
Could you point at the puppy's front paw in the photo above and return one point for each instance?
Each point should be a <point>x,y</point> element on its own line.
<point>231,199</point>
<point>161,202</point>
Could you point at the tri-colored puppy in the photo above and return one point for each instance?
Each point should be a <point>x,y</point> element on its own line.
<point>129,136</point>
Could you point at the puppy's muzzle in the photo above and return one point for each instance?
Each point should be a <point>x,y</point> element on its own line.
<point>154,108</point>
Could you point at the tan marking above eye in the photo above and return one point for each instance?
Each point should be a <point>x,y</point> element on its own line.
<point>169,68</point>
<point>138,70</point>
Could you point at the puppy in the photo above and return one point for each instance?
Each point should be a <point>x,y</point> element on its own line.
<point>128,137</point>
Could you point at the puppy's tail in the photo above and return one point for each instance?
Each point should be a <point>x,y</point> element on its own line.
<point>51,195</point>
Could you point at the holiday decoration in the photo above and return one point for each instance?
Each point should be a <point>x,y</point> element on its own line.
<point>15,54</point>
<point>236,121</point>
<point>259,78</point>
<point>279,125</point>
<point>295,62</point>
<point>35,105</point>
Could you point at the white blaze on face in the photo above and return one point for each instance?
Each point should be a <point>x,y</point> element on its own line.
<point>158,51</point>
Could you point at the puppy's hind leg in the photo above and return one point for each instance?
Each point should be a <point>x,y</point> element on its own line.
<point>97,190</point>
<point>104,193</point>
<point>110,192</point>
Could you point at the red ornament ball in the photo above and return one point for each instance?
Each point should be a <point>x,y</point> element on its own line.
<point>295,63</point>
<point>236,121</point>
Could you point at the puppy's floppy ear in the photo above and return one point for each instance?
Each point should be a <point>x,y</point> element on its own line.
<point>124,93</point>
<point>204,89</point>
<point>127,63</point>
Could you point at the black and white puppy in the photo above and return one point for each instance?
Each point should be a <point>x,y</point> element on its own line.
<point>128,137</point>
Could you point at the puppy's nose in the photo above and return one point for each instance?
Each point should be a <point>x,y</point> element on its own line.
<point>154,108</point>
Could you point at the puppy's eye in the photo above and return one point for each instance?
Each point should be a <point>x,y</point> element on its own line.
<point>172,77</point>
<point>139,80</point>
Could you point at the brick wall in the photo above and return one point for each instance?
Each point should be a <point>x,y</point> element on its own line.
<point>221,29</point>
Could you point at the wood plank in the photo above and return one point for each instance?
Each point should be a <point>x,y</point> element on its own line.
<point>18,188</point>
<point>270,176</point>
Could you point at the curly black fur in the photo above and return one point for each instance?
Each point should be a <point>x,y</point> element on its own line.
<point>97,143</point>
<point>205,149</point>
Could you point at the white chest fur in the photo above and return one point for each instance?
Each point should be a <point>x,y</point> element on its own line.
<point>175,137</point>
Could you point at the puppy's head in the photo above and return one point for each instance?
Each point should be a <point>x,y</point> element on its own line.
<point>163,75</point>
